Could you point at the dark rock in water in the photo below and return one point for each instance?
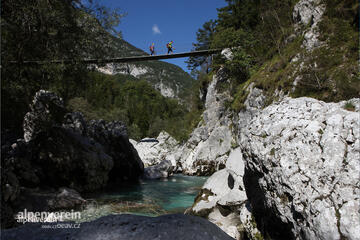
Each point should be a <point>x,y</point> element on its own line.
<point>161,170</point>
<point>73,153</point>
<point>113,136</point>
<point>60,149</point>
<point>66,198</point>
<point>125,227</point>
<point>37,200</point>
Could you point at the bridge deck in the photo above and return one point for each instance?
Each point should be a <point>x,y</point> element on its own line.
<point>128,59</point>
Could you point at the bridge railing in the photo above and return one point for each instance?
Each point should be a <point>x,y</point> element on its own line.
<point>125,59</point>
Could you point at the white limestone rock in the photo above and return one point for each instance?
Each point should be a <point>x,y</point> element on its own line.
<point>226,223</point>
<point>211,142</point>
<point>309,12</point>
<point>130,69</point>
<point>227,53</point>
<point>165,90</point>
<point>154,152</point>
<point>248,222</point>
<point>302,159</point>
<point>224,190</point>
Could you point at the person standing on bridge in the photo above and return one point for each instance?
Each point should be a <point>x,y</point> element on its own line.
<point>170,47</point>
<point>152,49</point>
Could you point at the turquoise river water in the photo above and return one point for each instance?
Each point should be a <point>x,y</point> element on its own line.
<point>149,198</point>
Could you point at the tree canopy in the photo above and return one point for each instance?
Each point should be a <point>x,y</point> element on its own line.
<point>44,30</point>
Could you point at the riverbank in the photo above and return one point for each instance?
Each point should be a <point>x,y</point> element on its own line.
<point>146,198</point>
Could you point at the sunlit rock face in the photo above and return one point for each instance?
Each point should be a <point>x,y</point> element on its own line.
<point>212,141</point>
<point>153,151</point>
<point>223,197</point>
<point>308,13</point>
<point>301,159</point>
<point>302,169</point>
<point>169,79</point>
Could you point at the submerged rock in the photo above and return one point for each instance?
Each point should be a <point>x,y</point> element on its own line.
<point>113,227</point>
<point>37,200</point>
<point>161,170</point>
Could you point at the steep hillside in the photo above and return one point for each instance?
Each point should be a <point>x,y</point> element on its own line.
<point>169,79</point>
<point>316,55</point>
<point>279,133</point>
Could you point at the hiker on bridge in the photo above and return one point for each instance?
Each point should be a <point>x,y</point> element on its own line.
<point>152,49</point>
<point>170,47</point>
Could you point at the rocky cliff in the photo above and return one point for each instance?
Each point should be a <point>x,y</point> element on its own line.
<point>167,78</point>
<point>293,170</point>
<point>212,140</point>
<point>294,175</point>
<point>302,169</point>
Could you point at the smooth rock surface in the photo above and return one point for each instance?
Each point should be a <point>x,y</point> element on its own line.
<point>125,227</point>
<point>161,170</point>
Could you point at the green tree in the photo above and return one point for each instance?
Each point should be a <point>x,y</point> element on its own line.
<point>47,30</point>
<point>203,37</point>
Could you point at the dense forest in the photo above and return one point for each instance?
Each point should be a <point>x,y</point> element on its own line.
<point>73,29</point>
<point>260,33</point>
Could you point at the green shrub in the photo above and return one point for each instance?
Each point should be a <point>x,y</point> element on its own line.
<point>349,106</point>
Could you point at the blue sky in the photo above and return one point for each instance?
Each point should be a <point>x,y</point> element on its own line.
<point>160,21</point>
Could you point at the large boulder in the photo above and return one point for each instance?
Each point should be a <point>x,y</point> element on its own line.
<point>161,170</point>
<point>69,159</point>
<point>223,197</point>
<point>113,227</point>
<point>61,152</point>
<point>73,153</point>
<point>113,136</point>
<point>60,149</point>
<point>302,169</point>
<point>154,151</point>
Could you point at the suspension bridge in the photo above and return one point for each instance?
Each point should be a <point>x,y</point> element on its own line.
<point>125,59</point>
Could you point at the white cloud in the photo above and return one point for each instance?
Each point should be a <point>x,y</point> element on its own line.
<point>156,29</point>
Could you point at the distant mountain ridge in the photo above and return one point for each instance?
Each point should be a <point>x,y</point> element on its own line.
<point>169,79</point>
